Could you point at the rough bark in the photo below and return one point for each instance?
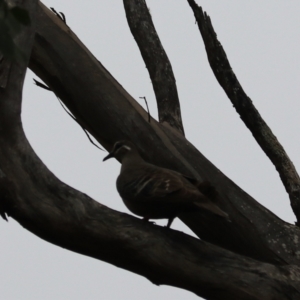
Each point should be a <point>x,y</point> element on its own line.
<point>109,113</point>
<point>264,256</point>
<point>32,195</point>
<point>157,62</point>
<point>247,111</point>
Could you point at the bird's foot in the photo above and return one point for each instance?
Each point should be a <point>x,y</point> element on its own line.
<point>170,221</point>
<point>147,220</point>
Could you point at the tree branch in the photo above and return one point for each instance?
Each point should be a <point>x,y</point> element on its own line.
<point>247,111</point>
<point>69,219</point>
<point>32,195</point>
<point>157,62</point>
<point>109,113</point>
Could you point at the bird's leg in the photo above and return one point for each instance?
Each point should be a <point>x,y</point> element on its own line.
<point>170,221</point>
<point>146,219</point>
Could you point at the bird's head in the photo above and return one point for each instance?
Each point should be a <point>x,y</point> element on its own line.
<point>120,150</point>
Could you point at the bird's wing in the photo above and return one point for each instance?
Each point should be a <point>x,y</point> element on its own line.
<point>205,187</point>
<point>153,183</point>
<point>160,184</point>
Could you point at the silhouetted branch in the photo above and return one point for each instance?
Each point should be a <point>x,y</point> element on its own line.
<point>41,85</point>
<point>157,62</point>
<point>60,15</point>
<point>47,207</point>
<point>149,116</point>
<point>247,111</point>
<point>110,114</point>
<point>33,196</point>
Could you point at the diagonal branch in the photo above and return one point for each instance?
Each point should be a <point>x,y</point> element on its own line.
<point>247,111</point>
<point>157,62</point>
<point>109,113</point>
<point>67,218</point>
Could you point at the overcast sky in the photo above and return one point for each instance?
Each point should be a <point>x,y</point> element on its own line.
<point>261,39</point>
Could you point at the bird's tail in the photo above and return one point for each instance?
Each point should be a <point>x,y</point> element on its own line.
<point>206,188</point>
<point>209,206</point>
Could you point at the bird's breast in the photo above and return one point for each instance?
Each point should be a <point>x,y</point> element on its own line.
<point>136,194</point>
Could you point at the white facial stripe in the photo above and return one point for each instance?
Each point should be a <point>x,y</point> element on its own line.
<point>123,146</point>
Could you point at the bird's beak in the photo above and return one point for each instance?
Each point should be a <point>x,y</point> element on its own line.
<point>110,155</point>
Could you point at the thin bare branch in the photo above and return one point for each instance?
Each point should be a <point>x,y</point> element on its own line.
<point>157,62</point>
<point>247,111</point>
<point>59,15</point>
<point>149,116</point>
<point>41,85</point>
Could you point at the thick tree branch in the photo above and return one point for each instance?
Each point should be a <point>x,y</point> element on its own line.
<point>32,195</point>
<point>105,109</point>
<point>157,62</point>
<point>72,220</point>
<point>247,111</point>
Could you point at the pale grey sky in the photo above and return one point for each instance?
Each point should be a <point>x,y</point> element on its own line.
<point>261,39</point>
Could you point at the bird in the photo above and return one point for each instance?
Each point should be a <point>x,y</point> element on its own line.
<point>153,192</point>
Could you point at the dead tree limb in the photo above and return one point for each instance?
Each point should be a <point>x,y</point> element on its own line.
<point>40,202</point>
<point>109,113</point>
<point>32,195</point>
<point>247,111</point>
<point>157,62</point>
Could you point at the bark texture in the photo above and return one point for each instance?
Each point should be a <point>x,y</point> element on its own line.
<point>256,256</point>
<point>157,62</point>
<point>109,113</point>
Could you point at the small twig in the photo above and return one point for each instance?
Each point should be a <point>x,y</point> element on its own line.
<point>149,116</point>
<point>60,15</point>
<point>85,131</point>
<point>63,17</point>
<point>157,62</point>
<point>39,84</point>
<point>3,215</point>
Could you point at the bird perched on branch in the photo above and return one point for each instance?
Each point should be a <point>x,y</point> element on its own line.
<point>154,192</point>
